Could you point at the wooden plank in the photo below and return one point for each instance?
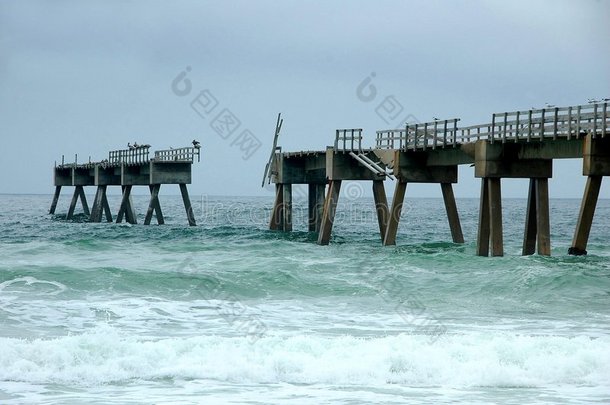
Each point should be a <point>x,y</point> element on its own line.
<point>529,236</point>
<point>543,222</point>
<point>495,217</point>
<point>483,232</point>
<point>55,200</point>
<point>452,213</point>
<point>328,216</point>
<point>381,206</point>
<point>187,205</point>
<point>395,211</point>
<point>585,217</point>
<point>315,206</point>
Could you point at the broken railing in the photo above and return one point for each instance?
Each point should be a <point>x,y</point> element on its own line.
<point>435,134</point>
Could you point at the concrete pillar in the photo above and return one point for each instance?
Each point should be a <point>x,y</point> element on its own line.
<point>381,207</point>
<point>394,218</point>
<point>328,216</point>
<point>55,200</point>
<point>452,213</point>
<point>187,205</point>
<point>315,206</point>
<point>585,217</point>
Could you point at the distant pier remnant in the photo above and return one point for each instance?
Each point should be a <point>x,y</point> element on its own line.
<point>519,144</point>
<point>127,168</point>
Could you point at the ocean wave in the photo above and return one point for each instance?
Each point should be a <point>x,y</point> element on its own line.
<point>105,356</point>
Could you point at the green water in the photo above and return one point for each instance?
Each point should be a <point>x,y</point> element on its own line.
<point>229,312</point>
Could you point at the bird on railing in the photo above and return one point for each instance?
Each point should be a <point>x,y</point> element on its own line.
<point>135,145</point>
<point>436,119</point>
<point>592,101</point>
<point>130,146</point>
<point>196,144</point>
<point>145,146</point>
<point>549,105</point>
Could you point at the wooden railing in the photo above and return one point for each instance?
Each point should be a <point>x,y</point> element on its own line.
<point>348,140</point>
<point>547,123</point>
<point>132,156</point>
<point>178,155</point>
<point>438,133</point>
<point>530,125</point>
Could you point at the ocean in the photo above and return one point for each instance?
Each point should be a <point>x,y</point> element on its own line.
<point>228,312</point>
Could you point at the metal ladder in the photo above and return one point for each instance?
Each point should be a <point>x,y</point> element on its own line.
<point>370,164</point>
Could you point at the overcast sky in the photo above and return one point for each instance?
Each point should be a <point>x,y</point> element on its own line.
<point>84,78</point>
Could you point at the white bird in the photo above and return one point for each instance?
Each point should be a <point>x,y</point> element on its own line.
<point>130,146</point>
<point>135,145</point>
<point>435,119</point>
<point>549,105</point>
<point>196,143</point>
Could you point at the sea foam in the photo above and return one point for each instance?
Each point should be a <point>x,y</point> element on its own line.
<point>105,356</point>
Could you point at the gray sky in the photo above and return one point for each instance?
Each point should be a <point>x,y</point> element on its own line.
<point>88,77</point>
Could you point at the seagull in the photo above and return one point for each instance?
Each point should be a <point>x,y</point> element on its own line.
<point>592,101</point>
<point>196,144</point>
<point>549,105</point>
<point>435,119</point>
<point>145,146</point>
<point>135,145</point>
<point>130,146</point>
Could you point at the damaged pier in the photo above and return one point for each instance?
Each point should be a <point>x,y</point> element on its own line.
<point>520,144</point>
<point>127,168</point>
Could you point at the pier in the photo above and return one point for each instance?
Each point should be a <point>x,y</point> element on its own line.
<point>127,168</point>
<point>518,144</point>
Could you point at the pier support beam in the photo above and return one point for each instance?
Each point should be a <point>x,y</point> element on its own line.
<point>154,206</point>
<point>330,207</point>
<point>537,219</point>
<point>275,223</point>
<point>100,206</point>
<point>316,206</point>
<point>490,218</point>
<point>126,209</point>
<point>55,200</point>
<point>452,213</point>
<point>585,217</point>
<point>394,218</point>
<point>483,233</point>
<point>79,193</point>
<point>187,204</point>
<point>495,161</point>
<point>381,206</point>
<point>287,208</point>
<point>596,164</point>
<point>281,215</point>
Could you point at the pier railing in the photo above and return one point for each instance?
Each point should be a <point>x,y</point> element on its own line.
<point>550,123</point>
<point>530,125</point>
<point>438,133</point>
<point>348,140</point>
<point>132,156</point>
<point>178,155</point>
